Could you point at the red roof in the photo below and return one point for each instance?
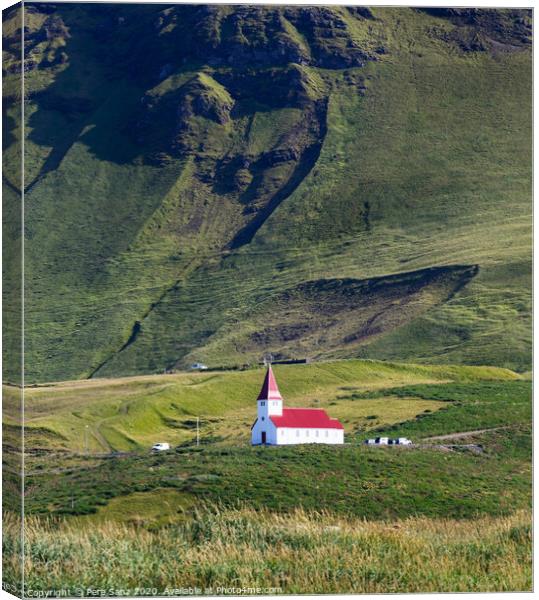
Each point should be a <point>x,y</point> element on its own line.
<point>305,417</point>
<point>269,390</point>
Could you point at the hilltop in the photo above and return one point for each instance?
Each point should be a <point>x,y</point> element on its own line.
<point>213,182</point>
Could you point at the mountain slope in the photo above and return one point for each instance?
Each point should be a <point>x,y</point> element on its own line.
<point>190,169</point>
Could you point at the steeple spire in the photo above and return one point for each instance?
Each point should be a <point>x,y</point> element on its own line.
<point>269,390</point>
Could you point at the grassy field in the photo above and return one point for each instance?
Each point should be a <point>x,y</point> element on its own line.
<point>369,397</point>
<point>484,405</point>
<point>442,515</point>
<point>134,413</point>
<point>370,482</point>
<point>300,552</point>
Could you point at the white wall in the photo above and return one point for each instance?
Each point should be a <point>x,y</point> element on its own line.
<point>269,407</point>
<point>267,426</point>
<point>289,435</point>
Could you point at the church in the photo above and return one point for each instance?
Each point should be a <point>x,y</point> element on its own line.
<point>278,426</point>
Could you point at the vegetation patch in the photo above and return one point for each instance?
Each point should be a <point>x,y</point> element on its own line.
<point>134,413</point>
<point>302,552</point>
<point>477,406</point>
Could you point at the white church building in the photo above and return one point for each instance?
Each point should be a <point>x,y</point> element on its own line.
<point>280,426</point>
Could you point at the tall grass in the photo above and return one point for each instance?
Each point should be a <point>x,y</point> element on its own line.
<point>298,553</point>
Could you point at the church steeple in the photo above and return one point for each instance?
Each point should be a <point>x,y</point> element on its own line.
<point>270,401</point>
<point>269,390</point>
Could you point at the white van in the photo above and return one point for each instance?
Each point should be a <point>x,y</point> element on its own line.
<point>160,447</point>
<point>382,441</point>
<point>404,442</point>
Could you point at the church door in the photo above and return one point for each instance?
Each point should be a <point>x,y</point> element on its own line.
<point>263,437</point>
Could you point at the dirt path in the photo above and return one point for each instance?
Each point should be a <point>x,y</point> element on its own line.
<point>96,431</point>
<point>461,434</point>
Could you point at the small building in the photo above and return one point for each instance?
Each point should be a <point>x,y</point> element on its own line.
<point>279,426</point>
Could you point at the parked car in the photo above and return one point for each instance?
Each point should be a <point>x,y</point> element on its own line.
<point>198,367</point>
<point>160,447</point>
<point>403,441</point>
<point>383,441</point>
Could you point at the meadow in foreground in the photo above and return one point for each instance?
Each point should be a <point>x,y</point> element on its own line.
<point>450,514</point>
<point>299,552</point>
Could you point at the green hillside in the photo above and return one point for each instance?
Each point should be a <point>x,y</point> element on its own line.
<point>133,413</point>
<point>209,183</point>
<point>481,464</point>
<point>464,485</point>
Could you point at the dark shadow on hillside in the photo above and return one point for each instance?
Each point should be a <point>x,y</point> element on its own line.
<point>91,37</point>
<point>8,129</point>
<point>103,47</point>
<point>486,29</point>
<point>304,166</point>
